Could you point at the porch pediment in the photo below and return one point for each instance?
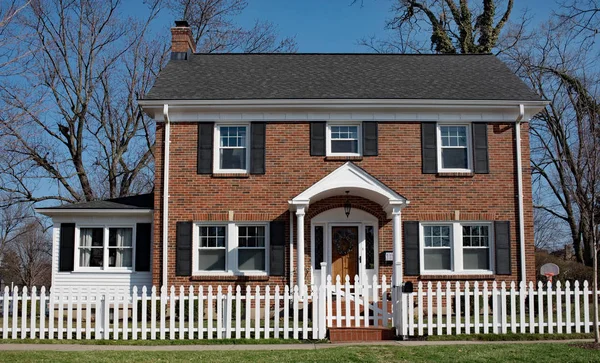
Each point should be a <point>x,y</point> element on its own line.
<point>357,181</point>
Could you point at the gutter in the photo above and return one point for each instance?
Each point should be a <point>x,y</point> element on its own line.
<point>165,211</point>
<point>520,191</point>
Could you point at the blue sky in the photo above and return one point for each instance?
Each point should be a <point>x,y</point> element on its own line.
<point>333,25</point>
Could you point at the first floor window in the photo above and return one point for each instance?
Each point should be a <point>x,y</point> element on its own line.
<point>212,248</point>
<point>457,247</point>
<point>251,248</point>
<point>454,147</point>
<point>437,251</point>
<point>91,247</point>
<point>476,247</point>
<point>120,247</point>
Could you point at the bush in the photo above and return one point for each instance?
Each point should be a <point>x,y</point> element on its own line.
<point>569,270</point>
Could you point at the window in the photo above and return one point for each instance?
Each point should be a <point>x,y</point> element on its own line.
<point>230,248</point>
<point>319,255</point>
<point>212,253</point>
<point>454,148</point>
<point>91,247</point>
<point>437,254</point>
<point>456,247</point>
<point>231,151</point>
<point>105,247</point>
<point>120,247</point>
<point>344,140</point>
<point>251,248</point>
<point>370,247</point>
<point>476,247</point>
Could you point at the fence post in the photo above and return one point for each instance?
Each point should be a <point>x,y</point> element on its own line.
<point>322,311</point>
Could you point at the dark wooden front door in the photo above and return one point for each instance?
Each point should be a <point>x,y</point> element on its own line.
<point>344,252</point>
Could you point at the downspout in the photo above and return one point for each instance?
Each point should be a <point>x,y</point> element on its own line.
<point>291,250</point>
<point>165,214</point>
<point>520,191</point>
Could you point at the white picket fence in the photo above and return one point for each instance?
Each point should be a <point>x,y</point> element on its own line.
<point>194,312</point>
<point>482,308</point>
<point>298,313</point>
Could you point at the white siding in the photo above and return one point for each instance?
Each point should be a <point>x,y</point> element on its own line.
<point>121,282</point>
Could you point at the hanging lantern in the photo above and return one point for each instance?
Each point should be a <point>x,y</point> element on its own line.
<point>347,205</point>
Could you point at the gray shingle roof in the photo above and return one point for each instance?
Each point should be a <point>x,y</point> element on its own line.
<point>339,76</point>
<point>142,201</point>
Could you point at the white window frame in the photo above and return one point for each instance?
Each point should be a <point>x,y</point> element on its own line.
<point>469,167</point>
<point>456,245</point>
<point>328,140</point>
<point>217,146</point>
<point>265,248</point>
<point>197,247</point>
<point>105,248</point>
<point>231,248</point>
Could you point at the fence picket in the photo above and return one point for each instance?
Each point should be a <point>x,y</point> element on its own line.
<point>568,306</point>
<point>457,308</point>
<point>540,299</point>
<point>467,294</point>
<point>247,330</point>
<point>420,308</point>
<point>439,308</point>
<point>384,301</point>
<point>24,313</point>
<point>586,307</point>
<point>43,314</point>
<point>503,308</point>
<point>181,312</point>
<point>209,313</point>
<point>69,296</point>
<point>220,312</point>
<point>577,308</point>
<point>5,314</point>
<point>357,300</point>
<point>268,312</point>
<point>153,313</point>
<point>228,313</point>
<point>549,293</point>
<point>277,312</point>
<point>477,308</point>
<point>315,314</point>
<point>559,307</point>
<point>88,315</point>
<point>429,309</point>
<point>513,308</point>
<point>162,313</point>
<point>201,312</point>
<point>486,308</point>
<point>257,313</point>
<point>238,312</point>
<point>448,296</point>
<point>329,303</point>
<point>33,319</point>
<point>286,312</point>
<point>531,308</point>
<point>144,312</point>
<point>191,305</point>
<point>295,312</point>
<point>172,316</point>
<point>365,297</point>
<point>495,309</point>
<point>522,288</point>
<point>338,302</point>
<point>304,292</point>
<point>376,300</point>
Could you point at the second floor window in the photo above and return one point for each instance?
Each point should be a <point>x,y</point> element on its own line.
<point>454,152</point>
<point>231,154</point>
<point>343,140</point>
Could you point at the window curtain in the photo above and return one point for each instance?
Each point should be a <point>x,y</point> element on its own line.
<point>86,251</point>
<point>123,258</point>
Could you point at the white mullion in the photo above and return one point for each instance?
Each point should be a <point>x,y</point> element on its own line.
<point>105,245</point>
<point>231,244</point>
<point>457,243</point>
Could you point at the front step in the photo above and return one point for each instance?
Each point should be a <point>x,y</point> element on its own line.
<point>371,334</point>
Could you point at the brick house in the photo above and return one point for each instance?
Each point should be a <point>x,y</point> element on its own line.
<point>277,168</point>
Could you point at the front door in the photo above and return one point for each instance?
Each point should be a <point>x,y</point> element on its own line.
<point>344,252</point>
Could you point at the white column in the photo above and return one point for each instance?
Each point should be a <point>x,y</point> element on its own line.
<point>397,246</point>
<point>300,211</point>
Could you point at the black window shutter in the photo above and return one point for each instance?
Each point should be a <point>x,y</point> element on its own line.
<point>480,149</point>
<point>429,147</point>
<point>205,147</point>
<point>184,249</point>
<point>412,260</point>
<point>66,254</point>
<point>502,243</point>
<point>317,138</point>
<point>143,236</point>
<point>277,248</point>
<point>257,151</point>
<point>370,131</point>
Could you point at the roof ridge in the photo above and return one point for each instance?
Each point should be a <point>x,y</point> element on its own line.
<point>344,53</point>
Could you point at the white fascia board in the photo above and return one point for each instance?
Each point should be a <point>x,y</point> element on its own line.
<point>344,109</point>
<point>50,212</point>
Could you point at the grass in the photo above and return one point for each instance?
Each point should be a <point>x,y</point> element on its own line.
<point>454,353</point>
<point>159,342</point>
<point>508,337</point>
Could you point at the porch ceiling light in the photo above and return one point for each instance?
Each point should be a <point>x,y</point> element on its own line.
<point>347,205</point>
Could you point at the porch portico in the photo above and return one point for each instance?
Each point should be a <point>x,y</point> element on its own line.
<point>357,182</point>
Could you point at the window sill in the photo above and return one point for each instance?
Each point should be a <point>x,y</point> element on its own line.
<point>100,271</point>
<point>462,277</point>
<point>455,174</point>
<point>231,175</point>
<point>237,278</point>
<point>343,158</point>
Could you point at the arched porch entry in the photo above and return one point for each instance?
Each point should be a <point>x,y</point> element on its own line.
<point>336,227</point>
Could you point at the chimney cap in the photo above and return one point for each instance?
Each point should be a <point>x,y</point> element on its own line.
<point>182,24</point>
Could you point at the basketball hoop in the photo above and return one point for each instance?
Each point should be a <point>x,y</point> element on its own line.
<point>549,270</point>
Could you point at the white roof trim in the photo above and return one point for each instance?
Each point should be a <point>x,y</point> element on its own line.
<point>354,179</point>
<point>64,211</point>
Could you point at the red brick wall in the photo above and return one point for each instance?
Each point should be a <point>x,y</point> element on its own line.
<point>290,170</point>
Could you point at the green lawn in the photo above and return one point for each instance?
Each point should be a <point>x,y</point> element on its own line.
<point>455,353</point>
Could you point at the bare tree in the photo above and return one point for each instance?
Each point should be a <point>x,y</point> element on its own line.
<point>28,261</point>
<point>215,30</point>
<point>454,26</point>
<point>72,115</point>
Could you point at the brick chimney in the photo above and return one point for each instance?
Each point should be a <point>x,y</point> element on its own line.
<point>182,39</point>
